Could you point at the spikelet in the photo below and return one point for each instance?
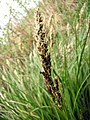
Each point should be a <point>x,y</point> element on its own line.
<point>42,46</point>
<point>81,15</point>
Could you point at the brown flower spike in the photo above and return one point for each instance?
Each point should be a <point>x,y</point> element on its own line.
<point>42,45</point>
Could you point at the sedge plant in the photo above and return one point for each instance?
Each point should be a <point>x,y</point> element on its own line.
<point>29,88</point>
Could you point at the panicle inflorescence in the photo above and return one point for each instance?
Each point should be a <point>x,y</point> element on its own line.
<point>42,45</point>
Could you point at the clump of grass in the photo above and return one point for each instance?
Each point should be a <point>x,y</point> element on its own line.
<point>23,94</point>
<point>42,45</point>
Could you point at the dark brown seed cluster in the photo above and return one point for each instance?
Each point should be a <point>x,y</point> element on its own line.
<point>41,37</point>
